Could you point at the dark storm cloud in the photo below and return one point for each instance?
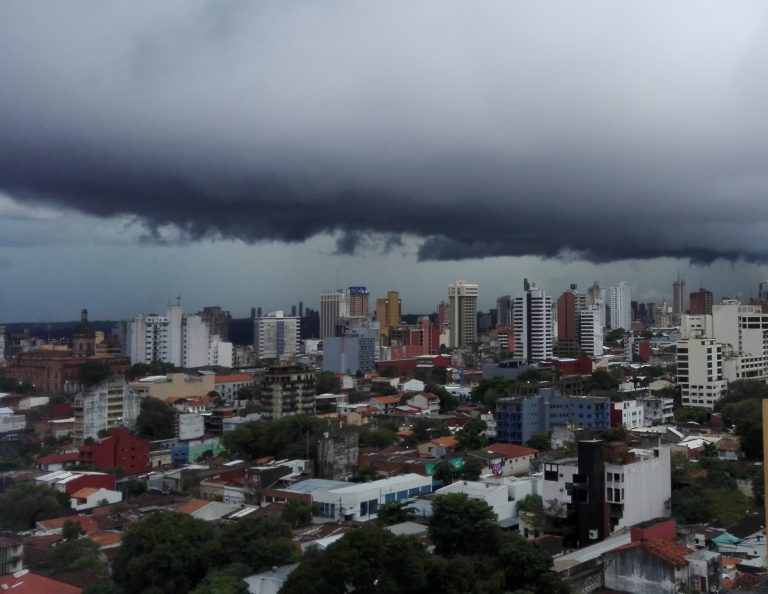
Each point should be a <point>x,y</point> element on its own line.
<point>596,130</point>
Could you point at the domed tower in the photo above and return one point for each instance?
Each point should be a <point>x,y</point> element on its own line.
<point>84,337</point>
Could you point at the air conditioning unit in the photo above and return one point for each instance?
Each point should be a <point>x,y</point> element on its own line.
<point>593,535</point>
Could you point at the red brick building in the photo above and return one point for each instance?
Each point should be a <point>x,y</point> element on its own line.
<point>119,449</point>
<point>58,371</point>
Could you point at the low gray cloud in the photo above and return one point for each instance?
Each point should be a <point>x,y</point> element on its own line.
<point>598,131</point>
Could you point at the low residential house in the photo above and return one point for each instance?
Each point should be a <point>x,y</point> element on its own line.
<point>426,402</point>
<point>89,497</point>
<point>55,525</point>
<point>27,582</point>
<point>11,552</point>
<point>385,404</point>
<point>412,385</point>
<point>660,566</point>
<point>57,461</point>
<point>69,482</point>
<point>729,448</point>
<point>438,447</point>
<point>118,449</point>
<point>227,386</point>
<point>511,459</point>
<point>56,428</point>
<point>10,422</point>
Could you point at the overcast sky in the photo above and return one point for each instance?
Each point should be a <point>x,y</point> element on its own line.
<point>257,153</point>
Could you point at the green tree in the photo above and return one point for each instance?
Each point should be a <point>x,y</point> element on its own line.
<point>78,553</point>
<point>297,514</point>
<point>444,472</point>
<point>395,512</point>
<point>389,371</point>
<point>448,401</point>
<point>369,560</point>
<point>155,420</point>
<point>25,504</point>
<point>165,552</point>
<point>247,440</point>
<point>257,542</point>
<point>225,581</point>
<point>426,429</point>
<point>540,441</point>
<point>471,436</point>
<point>139,370</point>
<point>472,469</point>
<point>71,530</point>
<point>615,434</point>
<point>327,382</point>
<point>460,525</point>
<point>93,372</point>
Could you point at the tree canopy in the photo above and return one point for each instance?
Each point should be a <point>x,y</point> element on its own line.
<point>165,552</point>
<point>25,504</point>
<point>461,525</point>
<point>471,436</point>
<point>156,419</point>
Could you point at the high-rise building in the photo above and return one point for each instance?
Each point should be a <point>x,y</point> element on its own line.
<point>110,403</point>
<point>2,346</point>
<point>276,335</point>
<point>394,308</point>
<point>504,310</point>
<point>333,305</point>
<point>678,300</point>
<point>358,302</point>
<point>762,291</point>
<point>286,391</point>
<point>619,303</point>
<point>591,331</point>
<point>217,320</point>
<point>177,338</point>
<point>701,302</point>
<point>443,316</point>
<point>462,313</point>
<point>596,297</point>
<point>532,317</point>
<point>699,363</point>
<point>569,304</point>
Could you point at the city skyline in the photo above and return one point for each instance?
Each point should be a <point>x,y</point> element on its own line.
<point>241,155</point>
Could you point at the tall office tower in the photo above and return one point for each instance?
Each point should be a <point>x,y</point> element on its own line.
<point>762,291</point>
<point>381,318</point>
<point>591,331</point>
<point>443,314</point>
<point>333,305</point>
<point>301,309</point>
<point>619,301</point>
<point>678,299</point>
<point>532,318</point>
<point>293,311</point>
<point>701,302</point>
<point>358,302</point>
<point>195,341</point>
<point>217,320</point>
<point>462,313</point>
<point>394,308</point>
<point>504,310</point>
<point>569,304</point>
<point>596,296</point>
<point>275,335</point>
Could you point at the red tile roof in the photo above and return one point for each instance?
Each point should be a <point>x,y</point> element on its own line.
<point>59,458</point>
<point>234,377</point>
<point>26,582</point>
<point>191,506</point>
<point>668,550</point>
<point>448,442</point>
<point>86,523</point>
<point>386,399</point>
<point>84,492</point>
<point>105,539</point>
<point>510,450</point>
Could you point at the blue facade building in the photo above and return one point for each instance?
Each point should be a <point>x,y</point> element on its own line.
<point>521,417</point>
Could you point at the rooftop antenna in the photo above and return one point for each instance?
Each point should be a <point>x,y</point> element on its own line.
<point>178,300</point>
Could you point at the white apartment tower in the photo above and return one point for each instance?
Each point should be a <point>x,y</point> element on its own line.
<point>619,303</point>
<point>532,319</point>
<point>462,313</point>
<point>591,330</point>
<point>275,335</point>
<point>177,338</point>
<point>333,305</point>
<point>700,372</point>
